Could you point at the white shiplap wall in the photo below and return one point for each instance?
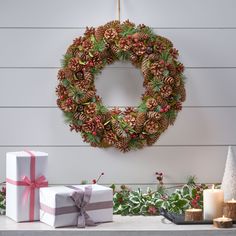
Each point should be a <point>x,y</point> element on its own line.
<point>35,34</point>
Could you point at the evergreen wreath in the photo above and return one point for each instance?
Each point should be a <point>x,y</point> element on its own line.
<point>132,127</point>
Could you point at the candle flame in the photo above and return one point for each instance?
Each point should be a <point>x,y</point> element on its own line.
<point>223,216</point>
<point>213,186</point>
<point>232,199</point>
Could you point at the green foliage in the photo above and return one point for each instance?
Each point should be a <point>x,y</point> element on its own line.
<point>66,59</point>
<point>68,116</point>
<point>92,138</point>
<point>99,46</point>
<point>142,107</point>
<point>122,55</point>
<point>128,202</point>
<point>128,30</point>
<point>156,85</point>
<point>2,202</point>
<point>101,109</point>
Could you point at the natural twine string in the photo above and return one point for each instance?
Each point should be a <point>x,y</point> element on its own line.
<point>118,10</point>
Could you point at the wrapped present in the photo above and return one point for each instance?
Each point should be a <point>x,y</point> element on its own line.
<point>77,205</point>
<point>26,173</point>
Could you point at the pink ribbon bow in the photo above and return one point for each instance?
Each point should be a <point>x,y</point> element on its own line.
<point>31,184</point>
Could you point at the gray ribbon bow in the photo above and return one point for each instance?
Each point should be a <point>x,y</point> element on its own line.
<point>81,199</point>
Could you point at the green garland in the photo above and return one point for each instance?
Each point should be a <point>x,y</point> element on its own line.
<point>2,200</point>
<point>131,128</point>
<point>130,202</point>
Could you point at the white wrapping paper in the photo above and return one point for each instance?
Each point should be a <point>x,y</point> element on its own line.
<point>17,167</point>
<point>59,197</point>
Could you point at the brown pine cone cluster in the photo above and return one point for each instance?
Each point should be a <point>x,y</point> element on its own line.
<point>129,128</point>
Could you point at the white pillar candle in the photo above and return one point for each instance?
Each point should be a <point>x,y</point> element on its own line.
<point>213,201</point>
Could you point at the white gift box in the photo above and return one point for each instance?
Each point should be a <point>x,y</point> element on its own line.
<point>58,209</point>
<point>26,172</point>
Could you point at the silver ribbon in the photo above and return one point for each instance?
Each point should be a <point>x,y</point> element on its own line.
<point>81,199</point>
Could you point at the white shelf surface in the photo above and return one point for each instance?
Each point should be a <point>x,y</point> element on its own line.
<point>122,226</point>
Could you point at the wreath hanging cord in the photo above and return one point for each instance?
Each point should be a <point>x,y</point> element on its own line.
<point>130,128</point>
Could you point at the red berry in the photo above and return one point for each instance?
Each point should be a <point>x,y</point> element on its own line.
<point>94,133</point>
<point>162,110</point>
<point>94,181</point>
<point>161,174</point>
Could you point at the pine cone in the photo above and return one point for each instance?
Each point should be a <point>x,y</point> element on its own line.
<point>99,33</point>
<point>129,110</point>
<point>172,70</point>
<point>122,145</point>
<point>151,103</point>
<point>139,48</point>
<point>140,120</point>
<point>88,126</point>
<point>153,57</point>
<point>154,115</point>
<point>169,80</point>
<point>74,64</point>
<point>86,97</point>
<point>145,66</point>
<point>115,50</point>
<point>82,117</point>
<point>90,109</point>
<point>109,137</point>
<point>110,34</point>
<point>182,93</point>
<point>88,76</point>
<point>125,44</point>
<point>178,106</point>
<point>151,127</point>
<point>161,101</point>
<point>61,74</point>
<point>157,68</point>
<point>166,91</point>
<point>163,122</point>
<point>130,120</point>
<point>152,139</point>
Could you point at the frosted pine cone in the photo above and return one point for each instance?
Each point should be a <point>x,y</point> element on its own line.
<point>122,145</point>
<point>110,34</point>
<point>151,127</point>
<point>89,95</point>
<point>99,33</point>
<point>140,120</point>
<point>139,48</point>
<point>88,126</point>
<point>125,44</point>
<point>163,122</point>
<point>90,109</point>
<point>169,80</point>
<point>172,70</point>
<point>151,103</point>
<point>157,68</point>
<point>151,140</point>
<point>74,64</point>
<point>154,115</point>
<point>166,91</point>
<point>130,120</point>
<point>109,137</point>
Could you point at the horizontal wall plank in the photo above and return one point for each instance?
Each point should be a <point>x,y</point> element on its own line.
<point>45,126</point>
<point>45,47</point>
<point>181,13</point>
<point>117,86</point>
<point>56,13</point>
<point>157,13</point>
<point>71,165</point>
